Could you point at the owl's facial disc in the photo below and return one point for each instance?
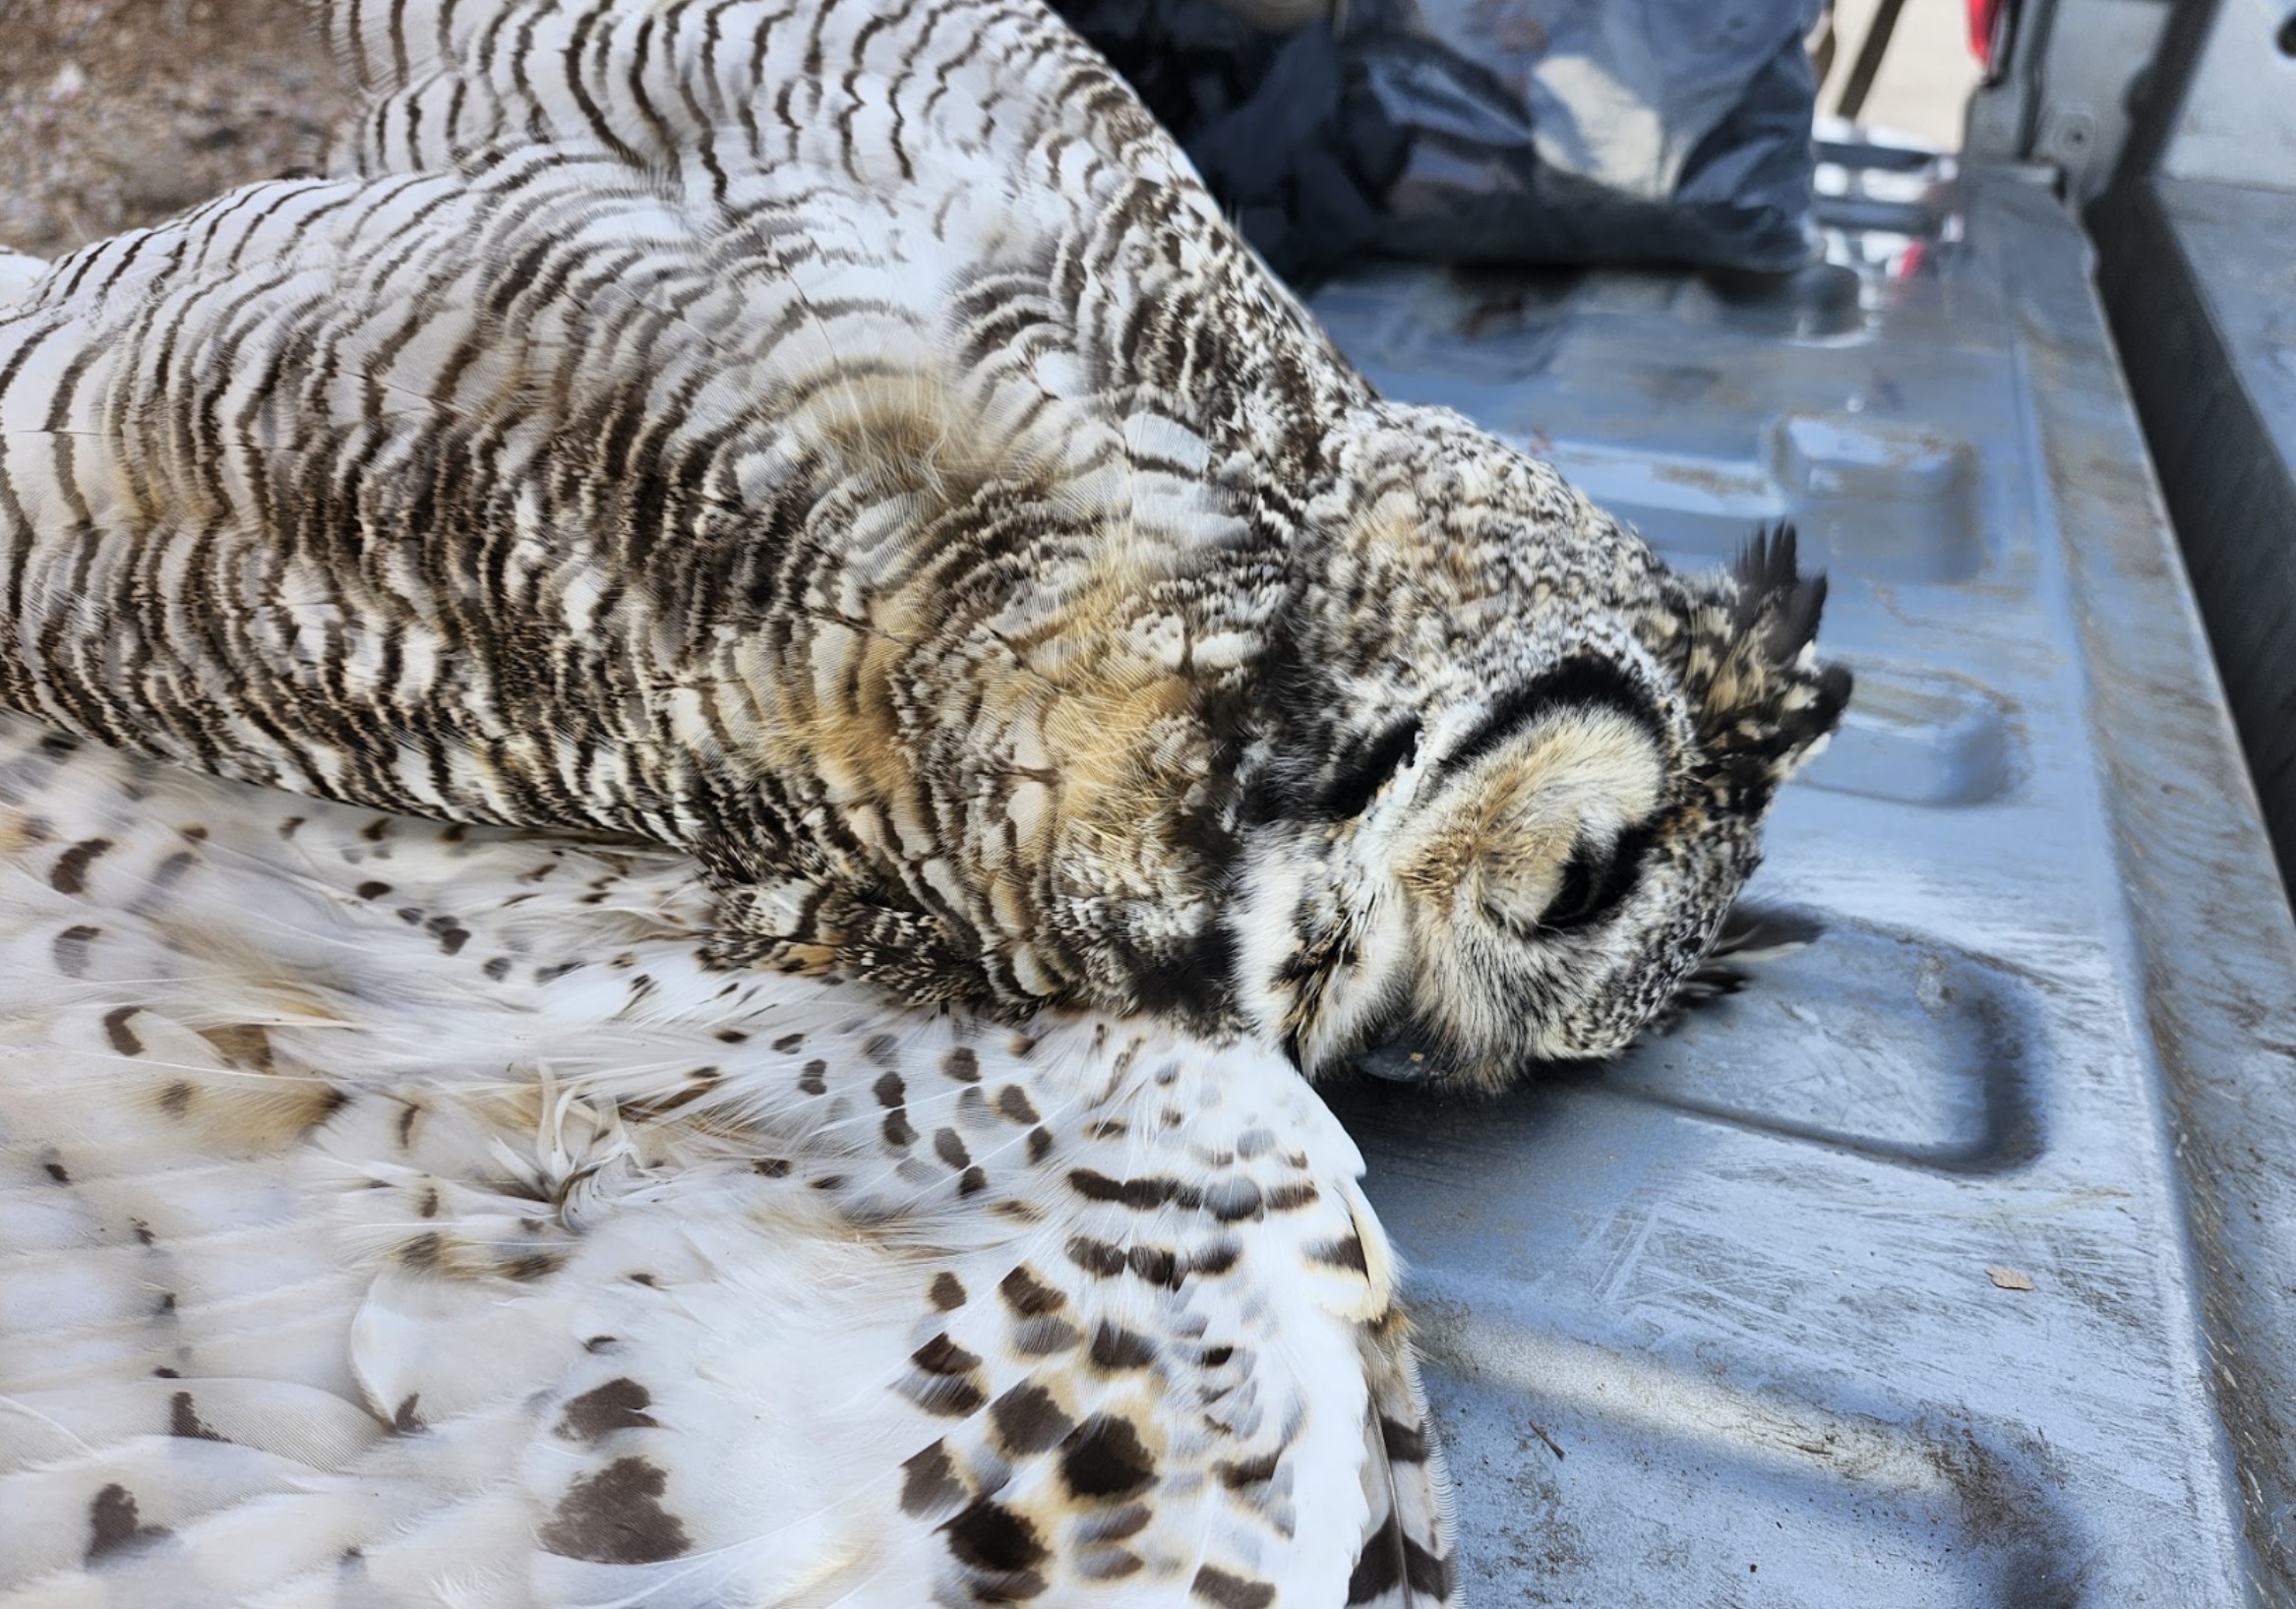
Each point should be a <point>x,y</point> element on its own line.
<point>1543,835</point>
<point>1465,870</point>
<point>1486,864</point>
<point>1515,864</point>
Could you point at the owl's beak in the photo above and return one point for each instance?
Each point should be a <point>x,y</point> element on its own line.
<point>1405,1057</point>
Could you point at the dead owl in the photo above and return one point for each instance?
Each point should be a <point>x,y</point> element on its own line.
<point>842,450</point>
<point>853,450</point>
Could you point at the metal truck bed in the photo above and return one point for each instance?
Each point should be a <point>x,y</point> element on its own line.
<point>1743,1318</point>
<point>2198,278</point>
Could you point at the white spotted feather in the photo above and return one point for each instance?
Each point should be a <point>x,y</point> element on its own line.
<point>406,1212</point>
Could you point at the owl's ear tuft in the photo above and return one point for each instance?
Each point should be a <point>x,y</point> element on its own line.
<point>1765,705</point>
<point>1774,597</point>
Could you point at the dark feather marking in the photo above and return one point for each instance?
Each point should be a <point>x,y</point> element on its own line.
<point>112,1524</point>
<point>951,1396</point>
<point>1574,682</point>
<point>1216,1258</point>
<point>71,873</point>
<point>1027,1295</point>
<point>991,1537</point>
<point>1237,1473</point>
<point>71,949</point>
<point>1391,1558</point>
<point>928,1483</point>
<point>1028,1419</point>
<point>1158,1265</point>
<point>1354,781</point>
<point>618,1404</point>
<point>1141,1195</point>
<point>183,1419</point>
<point>1114,1348</point>
<point>615,1517</point>
<point>944,1357</point>
<point>122,1036</point>
<point>1096,1256</point>
<point>1106,1459</point>
<point>1218,1587</point>
<point>1768,578</point>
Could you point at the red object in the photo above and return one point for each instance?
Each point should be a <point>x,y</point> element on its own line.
<point>1986,32</point>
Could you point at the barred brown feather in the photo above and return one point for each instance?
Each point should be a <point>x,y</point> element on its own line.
<point>848,445</point>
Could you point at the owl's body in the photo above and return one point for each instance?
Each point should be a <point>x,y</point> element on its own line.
<point>990,700</point>
<point>856,457</point>
<point>846,445</point>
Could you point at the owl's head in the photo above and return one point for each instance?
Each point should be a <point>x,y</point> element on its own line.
<point>1516,795</point>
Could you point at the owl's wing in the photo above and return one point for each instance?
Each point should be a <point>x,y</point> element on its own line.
<point>398,1212</point>
<point>501,451</point>
<point>986,125</point>
<point>225,1132</point>
<point>1403,1562</point>
<point>713,91</point>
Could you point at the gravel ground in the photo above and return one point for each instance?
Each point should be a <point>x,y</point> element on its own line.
<point>118,113</point>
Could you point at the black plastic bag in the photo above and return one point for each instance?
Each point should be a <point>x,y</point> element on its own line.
<point>1487,130</point>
